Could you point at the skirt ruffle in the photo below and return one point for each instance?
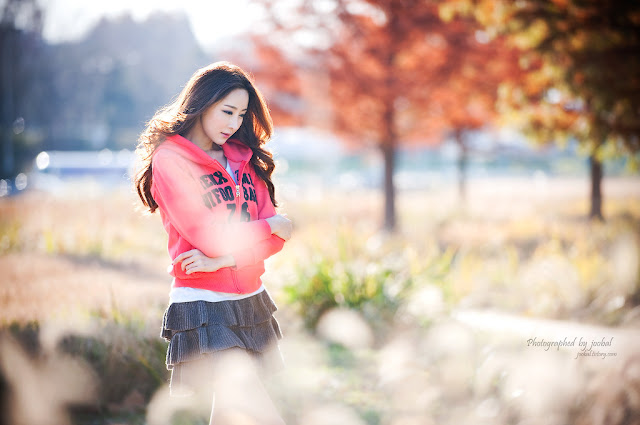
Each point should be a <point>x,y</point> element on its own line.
<point>196,328</point>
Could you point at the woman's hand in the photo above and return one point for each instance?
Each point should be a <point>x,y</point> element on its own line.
<point>195,261</point>
<point>281,226</point>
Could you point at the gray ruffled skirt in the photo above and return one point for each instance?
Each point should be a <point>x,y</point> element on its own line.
<point>199,331</point>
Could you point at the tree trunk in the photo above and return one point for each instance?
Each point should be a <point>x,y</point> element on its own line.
<point>389,141</point>
<point>388,147</point>
<point>596,188</point>
<point>388,154</point>
<point>463,158</point>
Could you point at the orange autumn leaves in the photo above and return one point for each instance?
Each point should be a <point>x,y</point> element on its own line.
<point>395,72</point>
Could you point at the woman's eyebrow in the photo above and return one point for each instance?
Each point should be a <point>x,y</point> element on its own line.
<point>233,107</point>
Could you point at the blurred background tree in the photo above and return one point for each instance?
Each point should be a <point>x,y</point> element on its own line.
<point>466,100</point>
<point>121,73</point>
<point>92,93</point>
<point>387,74</point>
<point>22,79</point>
<point>582,79</point>
<point>278,77</point>
<point>397,74</point>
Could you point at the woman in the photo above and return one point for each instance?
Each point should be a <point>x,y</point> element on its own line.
<point>205,169</point>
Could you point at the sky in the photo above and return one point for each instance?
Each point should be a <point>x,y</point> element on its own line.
<point>211,20</point>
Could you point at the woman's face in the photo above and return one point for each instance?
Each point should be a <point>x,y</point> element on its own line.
<point>222,119</point>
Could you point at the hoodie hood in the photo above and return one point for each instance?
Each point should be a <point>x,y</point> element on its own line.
<point>234,150</point>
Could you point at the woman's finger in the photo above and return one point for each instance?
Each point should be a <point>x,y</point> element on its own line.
<point>192,258</point>
<point>186,262</point>
<point>193,267</point>
<point>178,258</point>
<point>181,257</point>
<point>195,262</point>
<point>185,255</point>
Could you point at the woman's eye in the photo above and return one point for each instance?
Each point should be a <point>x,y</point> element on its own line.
<point>228,112</point>
<point>241,116</point>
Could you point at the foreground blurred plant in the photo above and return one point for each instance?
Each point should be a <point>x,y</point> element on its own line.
<point>324,284</point>
<point>377,276</point>
<point>123,363</point>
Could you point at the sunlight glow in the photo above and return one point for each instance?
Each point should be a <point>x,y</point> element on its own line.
<point>42,160</point>
<point>67,20</point>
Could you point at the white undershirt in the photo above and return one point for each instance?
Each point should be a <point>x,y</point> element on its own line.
<point>186,294</point>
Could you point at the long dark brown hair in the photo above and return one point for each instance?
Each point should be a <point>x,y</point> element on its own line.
<point>206,87</point>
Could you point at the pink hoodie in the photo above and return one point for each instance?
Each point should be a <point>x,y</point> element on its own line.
<point>201,207</point>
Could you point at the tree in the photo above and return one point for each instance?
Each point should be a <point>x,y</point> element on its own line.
<point>583,79</point>
<point>390,64</point>
<point>466,102</point>
<point>278,77</point>
<point>20,39</point>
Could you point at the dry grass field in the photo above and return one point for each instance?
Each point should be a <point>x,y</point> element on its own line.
<point>466,316</point>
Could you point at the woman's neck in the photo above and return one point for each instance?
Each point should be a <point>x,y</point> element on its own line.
<point>218,155</point>
<point>198,137</point>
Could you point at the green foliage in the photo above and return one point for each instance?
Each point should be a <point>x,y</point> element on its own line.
<point>324,284</point>
<point>376,282</point>
<point>585,85</point>
<point>314,293</point>
<point>341,357</point>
